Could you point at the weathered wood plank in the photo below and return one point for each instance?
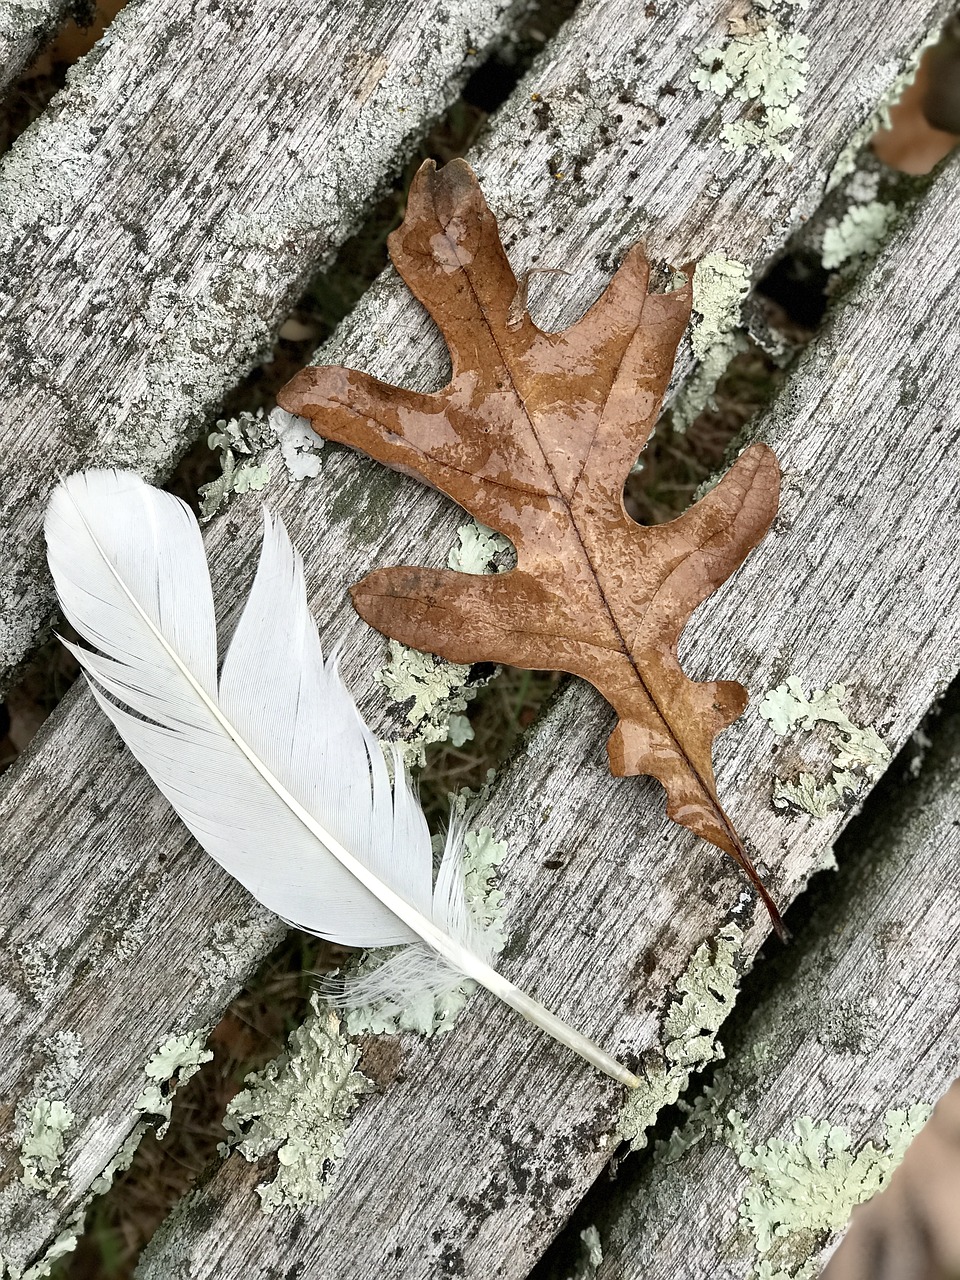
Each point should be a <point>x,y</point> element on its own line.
<point>155,223</point>
<point>863,1020</point>
<point>76,808</point>
<point>24,25</point>
<point>492,1135</point>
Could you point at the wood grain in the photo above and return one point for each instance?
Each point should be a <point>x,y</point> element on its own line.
<point>863,1020</point>
<point>161,216</point>
<point>494,1136</point>
<point>24,25</point>
<point>145,937</point>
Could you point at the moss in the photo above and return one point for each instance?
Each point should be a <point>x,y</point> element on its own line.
<point>705,994</point>
<point>804,1189</point>
<point>858,752</point>
<point>298,1107</point>
<point>765,65</point>
<point>858,234</point>
<point>430,1014</point>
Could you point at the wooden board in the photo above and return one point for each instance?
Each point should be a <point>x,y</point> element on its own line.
<point>863,1020</point>
<point>128,966</point>
<point>24,25</point>
<point>162,215</point>
<point>493,1135</point>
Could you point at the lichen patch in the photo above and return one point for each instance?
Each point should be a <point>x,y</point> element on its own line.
<point>858,751</point>
<point>177,1060</point>
<point>858,234</point>
<point>298,1106</point>
<point>43,1118</point>
<point>41,1150</point>
<point>765,65</point>
<point>481,550</point>
<point>720,285</point>
<point>435,692</point>
<point>803,1189</point>
<point>705,993</point>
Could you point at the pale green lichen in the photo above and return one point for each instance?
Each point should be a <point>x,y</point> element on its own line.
<point>43,1117</point>
<point>459,731</point>
<point>719,287</point>
<point>707,991</point>
<point>804,1189</point>
<point>435,689</point>
<point>433,1014</point>
<point>589,1255</point>
<point>703,1120</point>
<point>766,66</point>
<point>248,435</point>
<point>480,550</point>
<point>250,479</point>
<point>177,1060</point>
<point>859,233</point>
<point>65,1242</point>
<point>243,436</point>
<point>858,752</point>
<point>69,1235</point>
<point>438,692</point>
<point>298,1106</point>
<point>41,1150</point>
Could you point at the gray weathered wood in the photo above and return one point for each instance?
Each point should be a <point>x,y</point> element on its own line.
<point>24,25</point>
<point>155,223</point>
<point>119,961</point>
<point>864,1020</point>
<point>492,1134</point>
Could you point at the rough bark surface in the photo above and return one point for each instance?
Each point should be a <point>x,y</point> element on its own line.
<point>159,218</point>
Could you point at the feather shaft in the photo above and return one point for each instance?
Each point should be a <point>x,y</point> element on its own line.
<point>458,956</point>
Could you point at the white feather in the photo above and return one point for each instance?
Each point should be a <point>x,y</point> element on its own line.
<point>272,767</point>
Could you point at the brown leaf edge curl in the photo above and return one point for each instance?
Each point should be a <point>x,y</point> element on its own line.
<point>534,435</point>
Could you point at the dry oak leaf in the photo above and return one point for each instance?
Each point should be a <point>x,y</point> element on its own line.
<point>534,435</point>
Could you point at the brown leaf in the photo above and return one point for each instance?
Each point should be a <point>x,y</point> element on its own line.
<point>911,1230</point>
<point>535,435</point>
